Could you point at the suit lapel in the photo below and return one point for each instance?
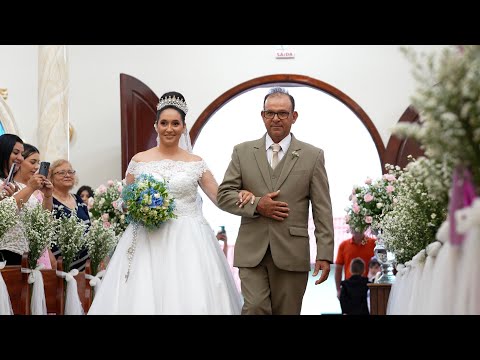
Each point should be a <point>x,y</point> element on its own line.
<point>290,161</point>
<point>261,157</point>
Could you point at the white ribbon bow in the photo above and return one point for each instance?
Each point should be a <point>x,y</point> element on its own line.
<point>95,281</point>
<point>73,305</point>
<point>38,305</point>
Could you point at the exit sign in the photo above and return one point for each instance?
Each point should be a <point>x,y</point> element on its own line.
<point>285,54</point>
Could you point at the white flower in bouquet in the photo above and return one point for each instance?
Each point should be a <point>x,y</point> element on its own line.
<point>8,215</point>
<point>70,237</point>
<point>419,210</point>
<point>39,226</point>
<point>447,98</point>
<point>103,206</point>
<point>100,242</point>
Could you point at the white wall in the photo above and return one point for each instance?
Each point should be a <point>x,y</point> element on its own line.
<point>19,74</point>
<point>377,77</point>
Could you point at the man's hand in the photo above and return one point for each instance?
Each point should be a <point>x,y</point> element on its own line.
<point>277,210</point>
<point>325,267</point>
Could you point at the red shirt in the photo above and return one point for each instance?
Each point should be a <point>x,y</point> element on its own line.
<point>349,250</point>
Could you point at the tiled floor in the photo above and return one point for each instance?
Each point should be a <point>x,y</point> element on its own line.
<point>321,299</point>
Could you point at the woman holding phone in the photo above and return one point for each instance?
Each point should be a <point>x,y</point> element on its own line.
<point>13,244</point>
<point>29,168</point>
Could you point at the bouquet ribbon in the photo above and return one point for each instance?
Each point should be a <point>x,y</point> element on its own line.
<point>38,304</point>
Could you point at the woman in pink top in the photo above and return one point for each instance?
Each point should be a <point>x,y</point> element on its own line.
<point>28,168</point>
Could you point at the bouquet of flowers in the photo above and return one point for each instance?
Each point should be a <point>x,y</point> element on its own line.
<point>70,237</point>
<point>39,226</point>
<point>148,202</point>
<point>103,206</point>
<point>372,201</point>
<point>8,215</point>
<point>100,240</point>
<point>448,90</point>
<point>419,209</point>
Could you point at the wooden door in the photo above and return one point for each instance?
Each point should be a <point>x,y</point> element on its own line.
<point>138,110</point>
<point>397,149</point>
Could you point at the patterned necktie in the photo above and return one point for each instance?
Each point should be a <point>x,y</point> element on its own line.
<point>275,148</point>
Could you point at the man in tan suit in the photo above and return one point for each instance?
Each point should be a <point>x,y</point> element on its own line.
<point>272,250</point>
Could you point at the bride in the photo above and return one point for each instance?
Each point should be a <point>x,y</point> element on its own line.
<point>179,267</point>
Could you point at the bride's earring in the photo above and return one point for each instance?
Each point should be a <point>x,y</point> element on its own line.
<point>158,136</point>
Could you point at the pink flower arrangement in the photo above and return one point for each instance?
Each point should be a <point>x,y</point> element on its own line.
<point>103,206</point>
<point>371,201</point>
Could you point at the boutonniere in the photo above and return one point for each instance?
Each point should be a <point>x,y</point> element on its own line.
<point>295,154</point>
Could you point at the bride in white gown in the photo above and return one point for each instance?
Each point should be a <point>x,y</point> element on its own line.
<point>178,268</point>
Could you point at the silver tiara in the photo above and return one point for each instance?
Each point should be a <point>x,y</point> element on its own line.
<point>173,101</point>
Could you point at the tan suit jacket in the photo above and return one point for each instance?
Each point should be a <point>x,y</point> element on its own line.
<point>302,180</point>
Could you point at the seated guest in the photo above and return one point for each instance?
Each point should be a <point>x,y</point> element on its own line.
<point>374,268</point>
<point>85,192</point>
<point>64,178</point>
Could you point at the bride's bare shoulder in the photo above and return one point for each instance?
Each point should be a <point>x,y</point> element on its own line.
<point>193,157</point>
<point>143,156</point>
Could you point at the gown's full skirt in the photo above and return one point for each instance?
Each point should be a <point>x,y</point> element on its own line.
<point>178,268</point>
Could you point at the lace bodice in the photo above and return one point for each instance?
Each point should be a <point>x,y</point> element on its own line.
<point>182,177</point>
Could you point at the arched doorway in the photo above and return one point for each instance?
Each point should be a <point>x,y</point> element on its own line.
<point>286,79</point>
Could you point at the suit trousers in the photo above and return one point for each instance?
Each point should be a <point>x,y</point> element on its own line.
<point>269,290</point>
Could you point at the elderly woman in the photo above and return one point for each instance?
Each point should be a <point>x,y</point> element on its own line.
<point>14,243</point>
<point>63,177</point>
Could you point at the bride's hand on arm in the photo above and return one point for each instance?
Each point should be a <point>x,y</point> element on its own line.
<point>245,196</point>
<point>129,179</point>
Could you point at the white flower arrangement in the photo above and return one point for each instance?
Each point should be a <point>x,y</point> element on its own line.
<point>8,215</point>
<point>447,98</point>
<point>100,242</point>
<point>39,226</point>
<point>295,154</point>
<point>70,237</point>
<point>419,208</point>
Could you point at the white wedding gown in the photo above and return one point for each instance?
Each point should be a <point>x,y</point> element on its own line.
<point>178,268</point>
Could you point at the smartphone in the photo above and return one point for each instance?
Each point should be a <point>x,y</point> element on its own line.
<point>44,166</point>
<point>11,173</point>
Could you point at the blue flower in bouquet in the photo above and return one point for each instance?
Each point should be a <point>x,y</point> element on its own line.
<point>155,198</point>
<point>148,201</point>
